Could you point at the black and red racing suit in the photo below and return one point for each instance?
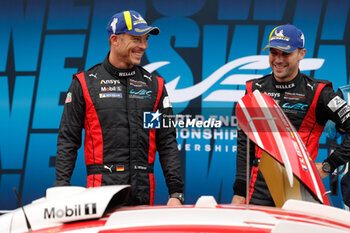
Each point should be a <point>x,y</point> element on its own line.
<point>110,104</point>
<point>309,104</point>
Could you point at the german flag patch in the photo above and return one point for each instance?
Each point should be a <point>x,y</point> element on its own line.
<point>120,168</point>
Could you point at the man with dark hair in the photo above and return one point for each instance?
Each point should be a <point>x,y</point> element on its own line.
<point>307,102</point>
<point>109,101</point>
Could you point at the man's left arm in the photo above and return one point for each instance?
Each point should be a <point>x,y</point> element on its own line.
<point>169,153</point>
<point>338,111</point>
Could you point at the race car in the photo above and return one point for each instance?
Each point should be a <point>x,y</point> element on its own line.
<point>79,209</point>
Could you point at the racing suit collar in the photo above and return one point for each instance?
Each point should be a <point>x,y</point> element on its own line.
<point>116,72</point>
<point>286,85</point>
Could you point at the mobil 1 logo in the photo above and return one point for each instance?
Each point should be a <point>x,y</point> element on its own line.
<point>70,211</point>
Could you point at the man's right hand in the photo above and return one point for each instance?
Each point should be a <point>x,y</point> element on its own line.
<point>238,199</point>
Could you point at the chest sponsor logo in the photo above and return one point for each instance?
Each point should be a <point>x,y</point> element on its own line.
<point>113,88</point>
<point>297,106</point>
<point>124,74</point>
<point>141,93</point>
<point>336,103</point>
<point>273,94</point>
<point>294,96</point>
<point>111,95</point>
<point>137,83</point>
<point>109,82</point>
<point>285,86</point>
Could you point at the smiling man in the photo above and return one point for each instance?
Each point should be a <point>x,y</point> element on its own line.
<point>109,101</point>
<point>307,102</point>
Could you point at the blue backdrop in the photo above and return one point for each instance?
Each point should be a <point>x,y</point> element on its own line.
<point>42,43</point>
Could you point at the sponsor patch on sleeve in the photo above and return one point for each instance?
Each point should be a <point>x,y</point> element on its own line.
<point>166,102</point>
<point>345,118</point>
<point>336,103</point>
<point>68,98</point>
<point>343,111</point>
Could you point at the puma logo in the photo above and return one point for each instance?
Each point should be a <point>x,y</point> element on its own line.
<point>309,85</point>
<point>108,168</point>
<point>148,77</point>
<point>93,75</point>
